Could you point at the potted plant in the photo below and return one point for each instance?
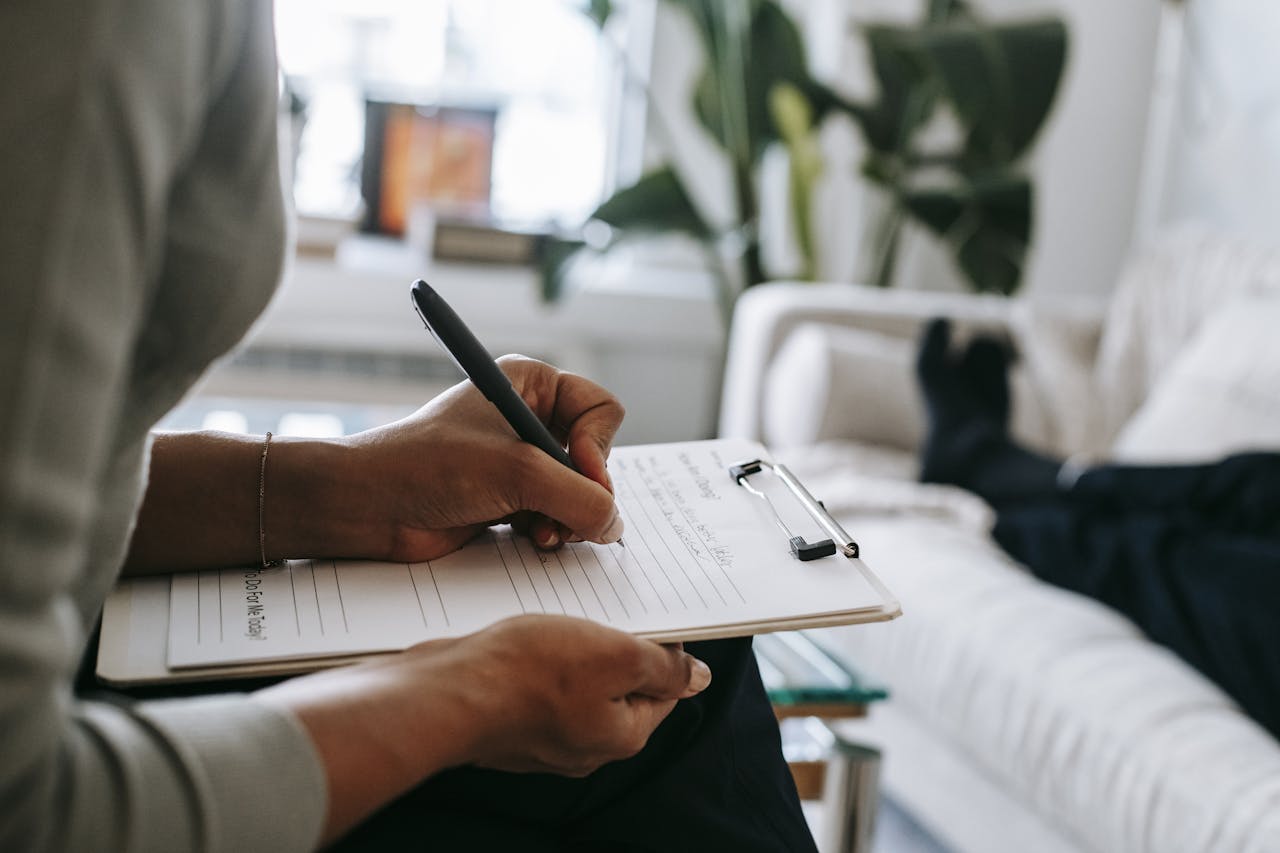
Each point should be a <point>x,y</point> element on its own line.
<point>994,82</point>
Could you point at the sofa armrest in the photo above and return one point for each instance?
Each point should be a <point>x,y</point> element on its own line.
<point>766,315</point>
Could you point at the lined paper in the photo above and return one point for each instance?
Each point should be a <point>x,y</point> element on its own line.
<point>701,554</point>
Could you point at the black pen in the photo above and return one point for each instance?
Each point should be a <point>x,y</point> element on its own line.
<point>474,360</point>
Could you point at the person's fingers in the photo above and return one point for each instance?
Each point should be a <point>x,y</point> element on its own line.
<point>666,673</point>
<point>546,533</point>
<point>591,437</point>
<point>578,412</point>
<point>582,506</point>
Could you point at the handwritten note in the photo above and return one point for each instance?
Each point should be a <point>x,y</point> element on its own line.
<point>702,555</point>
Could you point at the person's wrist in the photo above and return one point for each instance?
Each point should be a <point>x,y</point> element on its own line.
<point>317,503</point>
<point>469,704</point>
<point>380,728</point>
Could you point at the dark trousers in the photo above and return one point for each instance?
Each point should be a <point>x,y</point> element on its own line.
<point>711,778</point>
<point>1190,553</point>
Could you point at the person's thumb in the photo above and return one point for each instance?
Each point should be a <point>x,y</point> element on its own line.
<point>669,673</point>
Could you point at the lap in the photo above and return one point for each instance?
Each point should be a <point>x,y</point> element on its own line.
<point>711,778</point>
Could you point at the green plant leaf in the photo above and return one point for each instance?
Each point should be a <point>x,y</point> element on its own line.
<point>906,94</point>
<point>708,108</point>
<point>655,203</point>
<point>826,100</point>
<point>1007,203</point>
<point>945,10</point>
<point>554,258</point>
<point>987,224</point>
<point>600,11</point>
<point>776,56</point>
<point>1038,51</point>
<point>937,210</point>
<point>991,262</point>
<point>794,117</point>
<point>738,76</point>
<point>1001,79</point>
<point>722,67</point>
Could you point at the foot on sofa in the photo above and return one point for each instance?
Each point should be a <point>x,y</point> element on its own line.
<point>967,401</point>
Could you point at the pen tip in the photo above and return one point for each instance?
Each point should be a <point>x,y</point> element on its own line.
<point>623,544</point>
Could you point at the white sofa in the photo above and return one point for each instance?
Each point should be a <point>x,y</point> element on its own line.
<point>1023,717</point>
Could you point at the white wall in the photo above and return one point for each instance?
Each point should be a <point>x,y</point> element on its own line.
<point>1223,131</point>
<point>1088,165</point>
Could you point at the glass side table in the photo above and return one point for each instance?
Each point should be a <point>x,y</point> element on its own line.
<point>809,688</point>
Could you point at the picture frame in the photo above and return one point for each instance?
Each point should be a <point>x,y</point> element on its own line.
<point>413,153</point>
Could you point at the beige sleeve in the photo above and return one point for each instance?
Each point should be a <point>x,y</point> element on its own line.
<point>103,113</point>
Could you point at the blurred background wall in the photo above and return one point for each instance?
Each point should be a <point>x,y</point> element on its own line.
<point>1166,111</point>
<point>1217,138</point>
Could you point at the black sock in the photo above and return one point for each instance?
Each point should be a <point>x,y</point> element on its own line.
<point>968,403</point>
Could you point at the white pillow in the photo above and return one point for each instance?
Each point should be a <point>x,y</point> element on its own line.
<point>1220,395</point>
<point>828,382</point>
<point>1164,296</point>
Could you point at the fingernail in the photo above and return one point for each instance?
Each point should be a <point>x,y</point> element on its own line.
<point>699,677</point>
<point>549,539</point>
<point>614,531</point>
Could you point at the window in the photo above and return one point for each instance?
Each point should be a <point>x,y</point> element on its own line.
<point>553,80</point>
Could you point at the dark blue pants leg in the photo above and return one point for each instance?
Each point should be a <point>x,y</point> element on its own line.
<point>1191,554</point>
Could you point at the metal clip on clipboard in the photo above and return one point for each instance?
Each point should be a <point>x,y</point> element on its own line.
<point>800,549</point>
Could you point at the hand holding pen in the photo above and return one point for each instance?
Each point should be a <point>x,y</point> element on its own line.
<point>488,377</point>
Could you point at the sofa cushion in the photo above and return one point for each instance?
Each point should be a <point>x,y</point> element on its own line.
<point>1220,395</point>
<point>829,382</point>
<point>1057,343</point>
<point>1160,302</point>
<point>1054,694</point>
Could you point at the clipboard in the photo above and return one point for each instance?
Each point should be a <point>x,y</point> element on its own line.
<point>706,558</point>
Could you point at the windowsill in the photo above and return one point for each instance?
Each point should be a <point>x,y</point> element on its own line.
<point>359,300</point>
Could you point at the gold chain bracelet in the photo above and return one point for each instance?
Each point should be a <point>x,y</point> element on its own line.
<point>262,508</point>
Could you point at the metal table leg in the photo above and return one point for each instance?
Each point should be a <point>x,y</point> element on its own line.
<point>850,797</point>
